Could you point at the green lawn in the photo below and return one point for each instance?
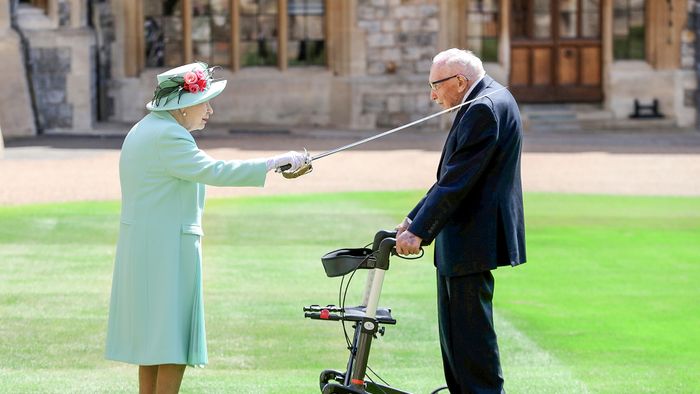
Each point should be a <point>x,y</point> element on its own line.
<point>608,302</point>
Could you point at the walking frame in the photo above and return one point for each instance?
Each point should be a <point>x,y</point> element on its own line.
<point>366,318</point>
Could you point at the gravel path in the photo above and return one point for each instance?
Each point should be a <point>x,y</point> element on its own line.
<point>67,168</point>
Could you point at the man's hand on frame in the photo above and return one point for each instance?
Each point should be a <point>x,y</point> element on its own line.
<point>408,243</point>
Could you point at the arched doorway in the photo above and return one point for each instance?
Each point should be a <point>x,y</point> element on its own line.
<point>556,50</point>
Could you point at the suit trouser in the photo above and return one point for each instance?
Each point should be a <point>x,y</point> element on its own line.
<point>467,337</point>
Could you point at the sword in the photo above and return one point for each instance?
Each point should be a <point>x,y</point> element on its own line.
<point>307,167</point>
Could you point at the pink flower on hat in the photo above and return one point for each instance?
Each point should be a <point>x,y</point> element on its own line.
<point>193,88</point>
<point>190,78</point>
<point>195,81</point>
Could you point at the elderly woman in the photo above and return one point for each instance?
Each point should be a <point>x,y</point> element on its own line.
<point>156,317</point>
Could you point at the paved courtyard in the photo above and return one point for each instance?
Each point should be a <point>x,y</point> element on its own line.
<point>72,168</point>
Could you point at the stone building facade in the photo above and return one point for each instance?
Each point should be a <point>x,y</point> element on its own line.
<point>50,53</point>
<point>354,64</point>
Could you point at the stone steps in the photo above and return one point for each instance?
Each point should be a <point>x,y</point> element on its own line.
<point>583,117</point>
<point>33,18</point>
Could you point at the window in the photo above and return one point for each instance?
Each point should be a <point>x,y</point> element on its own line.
<point>259,27</point>
<point>306,45</point>
<point>234,33</point>
<point>590,19</point>
<point>579,19</point>
<point>628,29</point>
<point>211,31</point>
<point>483,28</point>
<point>531,19</point>
<point>163,32</point>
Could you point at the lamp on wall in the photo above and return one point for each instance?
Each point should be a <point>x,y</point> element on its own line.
<point>390,67</point>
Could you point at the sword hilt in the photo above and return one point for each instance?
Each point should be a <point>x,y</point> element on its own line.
<point>305,169</point>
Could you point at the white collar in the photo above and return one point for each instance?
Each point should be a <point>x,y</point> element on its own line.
<point>464,99</point>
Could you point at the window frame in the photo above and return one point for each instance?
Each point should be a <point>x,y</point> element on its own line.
<point>465,37</point>
<point>134,14</point>
<point>618,54</point>
<point>457,30</point>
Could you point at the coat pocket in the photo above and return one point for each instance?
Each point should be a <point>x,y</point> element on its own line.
<point>192,229</point>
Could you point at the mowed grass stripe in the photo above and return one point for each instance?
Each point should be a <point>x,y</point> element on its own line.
<point>606,303</point>
<point>528,368</point>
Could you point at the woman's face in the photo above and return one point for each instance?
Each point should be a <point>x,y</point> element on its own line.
<point>194,117</point>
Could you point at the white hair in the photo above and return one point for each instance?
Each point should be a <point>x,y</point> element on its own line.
<point>461,61</point>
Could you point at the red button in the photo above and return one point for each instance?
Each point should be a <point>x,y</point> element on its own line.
<point>325,314</point>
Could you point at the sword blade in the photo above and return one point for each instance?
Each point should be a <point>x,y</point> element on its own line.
<point>394,130</point>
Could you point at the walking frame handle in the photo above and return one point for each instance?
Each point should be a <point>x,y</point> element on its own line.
<point>384,245</point>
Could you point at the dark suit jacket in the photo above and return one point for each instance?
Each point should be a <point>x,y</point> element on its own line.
<point>474,211</point>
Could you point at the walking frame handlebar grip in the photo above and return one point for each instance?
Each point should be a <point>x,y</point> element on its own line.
<point>380,236</point>
<point>384,243</point>
<point>386,246</point>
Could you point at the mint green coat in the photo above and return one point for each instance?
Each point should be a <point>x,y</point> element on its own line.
<point>156,314</point>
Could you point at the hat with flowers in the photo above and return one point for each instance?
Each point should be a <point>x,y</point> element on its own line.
<point>185,86</point>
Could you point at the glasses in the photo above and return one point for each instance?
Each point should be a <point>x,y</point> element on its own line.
<point>434,84</point>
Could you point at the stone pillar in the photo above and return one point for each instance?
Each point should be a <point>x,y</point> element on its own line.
<point>62,66</point>
<point>16,113</point>
<point>4,25</point>
<point>4,15</point>
<point>504,38</point>
<point>606,31</point>
<point>2,144</point>
<point>694,18</point>
<point>78,16</point>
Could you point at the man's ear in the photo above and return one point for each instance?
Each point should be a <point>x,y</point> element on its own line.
<point>463,84</point>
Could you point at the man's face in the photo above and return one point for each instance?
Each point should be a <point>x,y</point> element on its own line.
<point>447,88</point>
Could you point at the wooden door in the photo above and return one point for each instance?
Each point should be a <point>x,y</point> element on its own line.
<point>556,50</point>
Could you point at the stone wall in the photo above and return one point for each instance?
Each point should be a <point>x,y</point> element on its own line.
<point>401,35</point>
<point>63,80</point>
<point>686,79</point>
<point>387,83</point>
<point>61,66</point>
<point>401,40</point>
<point>50,67</point>
<point>16,112</point>
<point>64,11</point>
<point>674,88</point>
<point>688,39</point>
<point>389,88</point>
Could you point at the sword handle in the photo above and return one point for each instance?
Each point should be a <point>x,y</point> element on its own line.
<point>288,166</point>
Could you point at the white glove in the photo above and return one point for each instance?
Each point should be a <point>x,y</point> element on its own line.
<point>295,159</point>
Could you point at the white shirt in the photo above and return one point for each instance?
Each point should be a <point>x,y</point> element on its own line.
<point>472,88</point>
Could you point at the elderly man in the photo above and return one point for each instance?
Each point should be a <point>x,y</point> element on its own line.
<point>474,212</point>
